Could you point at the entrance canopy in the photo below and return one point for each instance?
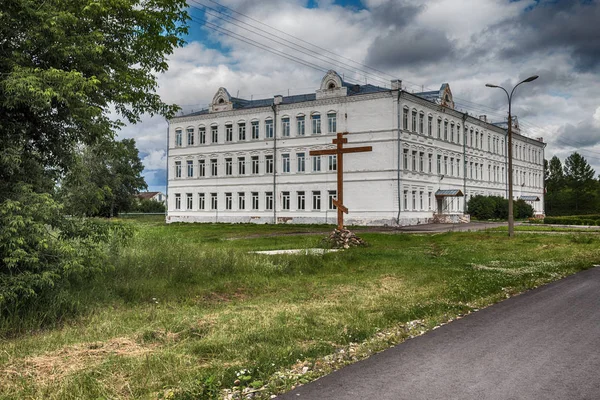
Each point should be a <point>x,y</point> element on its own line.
<point>449,193</point>
<point>530,198</point>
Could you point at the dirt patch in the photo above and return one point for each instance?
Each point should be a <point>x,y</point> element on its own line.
<point>70,359</point>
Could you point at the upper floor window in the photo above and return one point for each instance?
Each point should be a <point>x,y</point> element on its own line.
<point>429,125</point>
<point>214,130</point>
<point>255,131</point>
<point>213,167</point>
<point>316,124</point>
<point>414,120</point>
<point>300,125</point>
<point>201,168</point>
<point>301,162</point>
<point>190,136</point>
<point>241,131</point>
<point>202,135</point>
<point>405,119</point>
<point>177,169</point>
<point>332,162</point>
<point>190,168</point>
<point>439,129</point>
<point>421,122</point>
<point>316,163</point>
<point>178,138</point>
<point>241,166</point>
<point>269,128</point>
<point>452,132</point>
<point>445,130</point>
<point>285,127</point>
<point>228,166</point>
<point>332,122</point>
<point>254,161</point>
<point>269,164</point>
<point>285,161</point>
<point>229,133</point>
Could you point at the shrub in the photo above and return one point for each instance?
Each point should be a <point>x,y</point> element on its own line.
<point>496,207</point>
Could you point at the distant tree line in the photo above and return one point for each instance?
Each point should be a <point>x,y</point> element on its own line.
<point>571,189</point>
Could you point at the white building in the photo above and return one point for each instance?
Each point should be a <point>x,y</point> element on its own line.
<point>248,160</point>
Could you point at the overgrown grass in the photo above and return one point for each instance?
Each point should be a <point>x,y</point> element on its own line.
<point>188,306</point>
<point>542,228</point>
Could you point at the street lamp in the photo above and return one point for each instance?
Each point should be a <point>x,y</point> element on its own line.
<point>511,220</point>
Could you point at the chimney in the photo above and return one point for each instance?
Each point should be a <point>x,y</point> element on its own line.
<point>483,118</point>
<point>396,84</point>
<point>540,139</point>
<point>278,99</point>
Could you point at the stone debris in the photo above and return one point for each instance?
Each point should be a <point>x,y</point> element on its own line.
<point>343,239</point>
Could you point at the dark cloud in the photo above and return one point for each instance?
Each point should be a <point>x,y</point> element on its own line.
<point>564,25</point>
<point>395,13</point>
<point>582,135</point>
<point>413,47</point>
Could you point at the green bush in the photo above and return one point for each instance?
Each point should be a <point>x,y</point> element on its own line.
<point>148,206</point>
<point>42,253</point>
<point>496,207</point>
<point>589,219</point>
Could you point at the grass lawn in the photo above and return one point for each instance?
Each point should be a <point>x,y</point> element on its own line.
<point>545,228</point>
<point>188,310</point>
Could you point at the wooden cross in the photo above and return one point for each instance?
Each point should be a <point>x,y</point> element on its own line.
<point>339,151</point>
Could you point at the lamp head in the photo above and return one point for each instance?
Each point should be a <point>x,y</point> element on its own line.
<point>531,78</point>
<point>490,85</point>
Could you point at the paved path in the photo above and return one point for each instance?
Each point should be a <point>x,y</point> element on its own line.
<point>543,344</point>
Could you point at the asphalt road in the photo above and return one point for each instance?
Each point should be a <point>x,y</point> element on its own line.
<point>543,344</point>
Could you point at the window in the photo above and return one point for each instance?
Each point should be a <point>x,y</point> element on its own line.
<point>301,162</point>
<point>458,133</point>
<point>285,127</point>
<point>285,200</point>
<point>316,163</point>
<point>429,125</point>
<point>177,169</point>
<point>332,122</point>
<point>316,124</point>
<point>285,163</point>
<point>178,138</point>
<point>489,143</point>
<point>269,128</point>
<point>430,157</point>
<point>201,201</point>
<point>422,162</point>
<point>414,120</point>
<point>255,131</point>
<point>229,133</point>
<point>332,162</point>
<point>241,201</point>
<point>241,131</point>
<point>420,200</point>
<point>414,200</point>
<point>458,167</point>
<point>214,133</point>
<point>406,199</point>
<point>190,136</point>
<point>213,201</point>
<point>471,141</point>
<point>452,132</point>
<point>414,160</point>
<point>177,201</point>
<point>301,198</point>
<point>476,140</point>
<point>201,168</point>
<point>254,160</point>
<point>445,130</point>
<point>439,129</point>
<point>451,166</point>
<point>190,168</point>
<point>213,167</point>
<point>439,164</point>
<point>228,201</point>
<point>241,166</point>
<point>268,200</point>
<point>316,200</point>
<point>331,195</point>
<point>445,165</point>
<point>421,118</point>
<point>429,201</point>
<point>228,166</point>
<point>471,170</point>
<point>255,200</point>
<point>405,119</point>
<point>481,141</point>
<point>202,135</point>
<point>300,125</point>
<point>268,164</point>
<point>405,159</point>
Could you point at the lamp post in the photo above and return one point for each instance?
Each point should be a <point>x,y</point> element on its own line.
<point>511,219</point>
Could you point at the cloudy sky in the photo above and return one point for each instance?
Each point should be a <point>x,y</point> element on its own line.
<point>466,43</point>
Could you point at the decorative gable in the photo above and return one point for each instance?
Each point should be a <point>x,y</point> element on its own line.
<point>446,96</point>
<point>331,86</point>
<point>221,101</point>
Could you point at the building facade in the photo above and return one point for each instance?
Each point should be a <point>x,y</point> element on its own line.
<point>248,160</point>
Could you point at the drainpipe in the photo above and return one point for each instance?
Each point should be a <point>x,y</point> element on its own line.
<point>276,101</point>
<point>397,84</point>
<point>464,164</point>
<point>167,199</point>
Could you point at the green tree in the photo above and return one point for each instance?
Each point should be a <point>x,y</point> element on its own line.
<point>104,181</point>
<point>579,178</point>
<point>64,65</point>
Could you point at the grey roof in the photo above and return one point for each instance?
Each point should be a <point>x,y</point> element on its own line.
<point>530,198</point>
<point>449,193</point>
<point>239,103</point>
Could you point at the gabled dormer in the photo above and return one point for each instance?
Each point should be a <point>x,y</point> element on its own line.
<point>221,101</point>
<point>331,86</point>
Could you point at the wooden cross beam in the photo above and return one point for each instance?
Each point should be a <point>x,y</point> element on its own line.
<point>339,151</point>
